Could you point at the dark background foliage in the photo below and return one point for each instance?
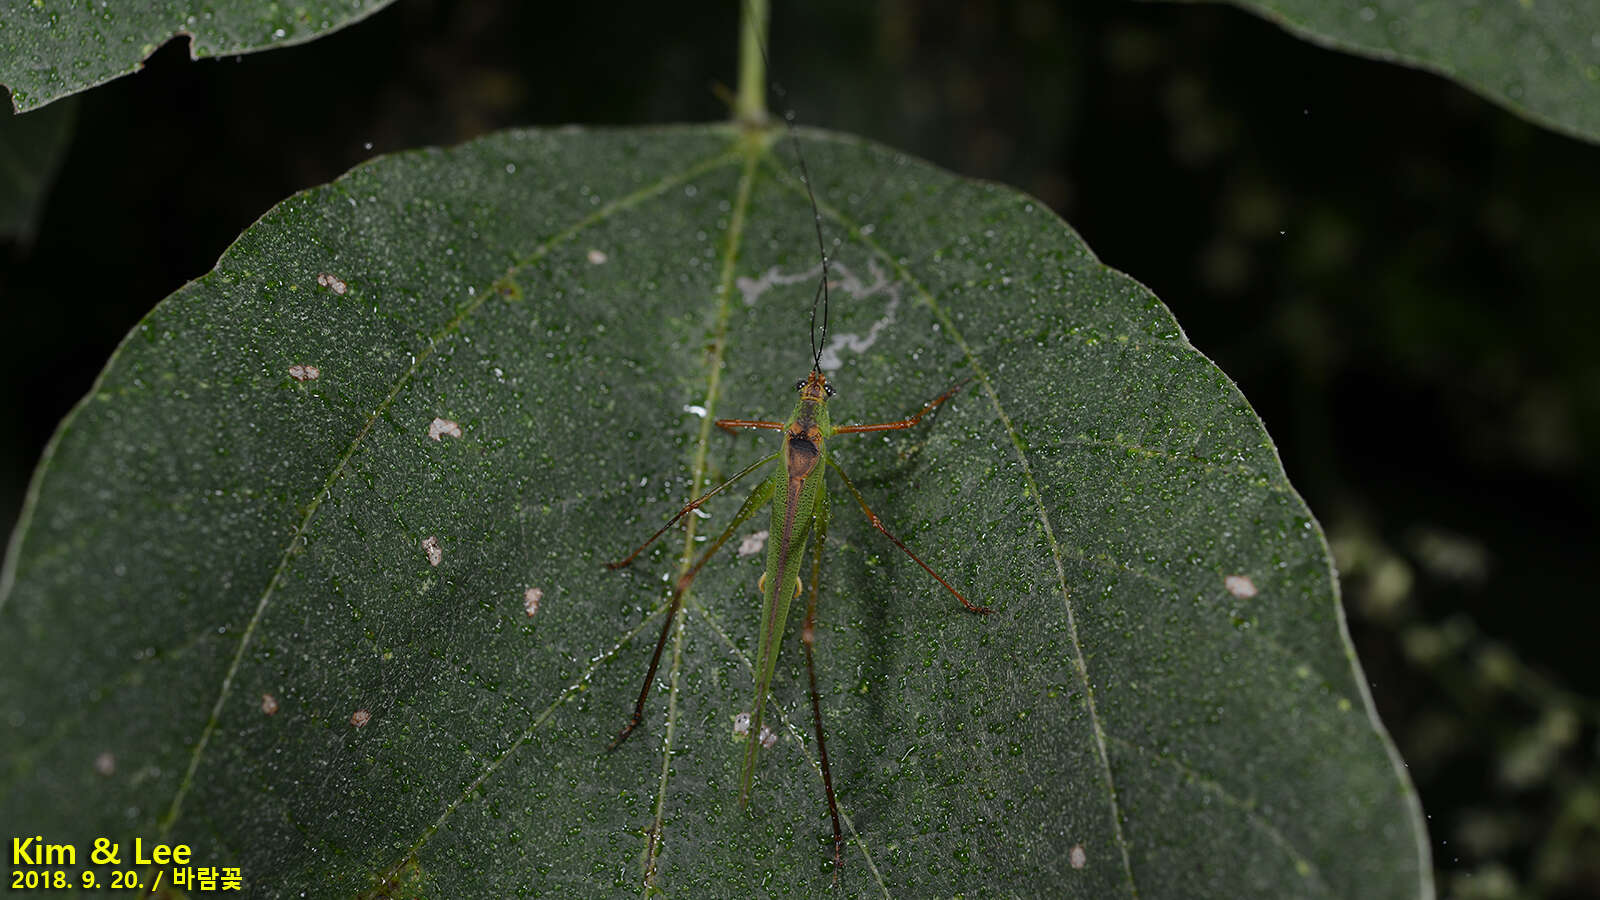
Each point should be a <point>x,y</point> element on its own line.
<point>1399,274</point>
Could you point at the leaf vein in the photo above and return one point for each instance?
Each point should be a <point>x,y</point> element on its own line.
<point>730,255</point>
<point>540,719</point>
<point>1244,805</point>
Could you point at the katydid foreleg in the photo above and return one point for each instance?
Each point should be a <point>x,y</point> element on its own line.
<point>903,423</point>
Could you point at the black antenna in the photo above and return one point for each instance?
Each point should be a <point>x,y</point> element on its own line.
<point>805,177</point>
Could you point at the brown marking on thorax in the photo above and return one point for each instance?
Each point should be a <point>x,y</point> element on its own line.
<point>801,442</point>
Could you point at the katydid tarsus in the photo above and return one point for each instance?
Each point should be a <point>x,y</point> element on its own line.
<point>796,491</point>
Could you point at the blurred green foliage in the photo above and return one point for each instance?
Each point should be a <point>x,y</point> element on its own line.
<point>31,150</point>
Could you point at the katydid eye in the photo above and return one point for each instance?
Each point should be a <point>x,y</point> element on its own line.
<point>800,385</point>
<point>829,389</point>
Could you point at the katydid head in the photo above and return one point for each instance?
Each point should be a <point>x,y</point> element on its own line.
<point>810,420</point>
<point>814,387</point>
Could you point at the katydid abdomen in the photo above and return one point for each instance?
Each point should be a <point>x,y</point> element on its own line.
<point>798,498</point>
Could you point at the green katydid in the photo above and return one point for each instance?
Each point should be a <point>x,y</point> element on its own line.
<point>798,496</point>
<point>797,492</point>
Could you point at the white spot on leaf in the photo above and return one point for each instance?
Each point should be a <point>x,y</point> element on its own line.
<point>304,373</point>
<point>360,717</point>
<point>333,283</point>
<point>597,257</point>
<point>269,704</point>
<point>105,764</point>
<point>1077,857</point>
<point>768,737</point>
<point>741,724</point>
<point>439,427</point>
<point>1240,586</point>
<point>530,600</point>
<point>430,546</point>
<point>751,544</point>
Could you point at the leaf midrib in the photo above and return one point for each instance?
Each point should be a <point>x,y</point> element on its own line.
<point>721,633</point>
<point>730,255</point>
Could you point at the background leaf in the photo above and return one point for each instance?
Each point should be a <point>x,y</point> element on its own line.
<point>260,529</point>
<point>49,48</point>
<point>31,151</point>
<point>1540,58</point>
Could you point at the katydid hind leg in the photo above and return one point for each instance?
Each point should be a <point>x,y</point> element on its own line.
<point>808,635</point>
<point>884,530</point>
<point>757,499</point>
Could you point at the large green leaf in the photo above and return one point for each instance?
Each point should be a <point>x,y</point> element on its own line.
<point>1539,58</point>
<point>517,346</point>
<point>52,48</point>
